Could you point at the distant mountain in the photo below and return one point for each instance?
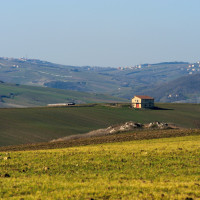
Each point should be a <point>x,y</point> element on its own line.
<point>15,95</point>
<point>183,89</point>
<point>123,82</point>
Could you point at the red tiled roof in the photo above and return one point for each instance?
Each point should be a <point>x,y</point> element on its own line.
<point>144,97</point>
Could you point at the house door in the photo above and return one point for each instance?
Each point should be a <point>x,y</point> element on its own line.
<point>137,105</point>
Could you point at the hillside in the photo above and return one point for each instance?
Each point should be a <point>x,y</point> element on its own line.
<point>31,125</point>
<point>121,82</point>
<point>183,89</point>
<point>15,95</point>
<point>148,169</point>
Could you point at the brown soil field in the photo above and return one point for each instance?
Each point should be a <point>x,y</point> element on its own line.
<point>120,137</point>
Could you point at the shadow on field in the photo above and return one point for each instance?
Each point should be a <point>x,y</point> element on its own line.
<point>158,108</point>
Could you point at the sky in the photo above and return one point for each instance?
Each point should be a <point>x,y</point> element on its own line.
<point>101,32</point>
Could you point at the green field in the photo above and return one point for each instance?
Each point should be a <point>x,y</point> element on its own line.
<point>30,125</point>
<point>14,95</point>
<point>148,169</point>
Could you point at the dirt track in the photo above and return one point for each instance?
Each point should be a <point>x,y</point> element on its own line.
<point>136,135</point>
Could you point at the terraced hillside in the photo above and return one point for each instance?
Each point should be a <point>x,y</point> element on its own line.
<point>30,125</point>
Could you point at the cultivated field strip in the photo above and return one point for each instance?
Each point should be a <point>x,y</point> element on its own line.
<point>136,135</point>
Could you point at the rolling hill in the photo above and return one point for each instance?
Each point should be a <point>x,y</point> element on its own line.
<point>122,82</point>
<point>183,89</point>
<point>15,95</point>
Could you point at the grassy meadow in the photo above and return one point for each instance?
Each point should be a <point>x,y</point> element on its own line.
<point>15,95</point>
<point>30,125</point>
<point>149,169</point>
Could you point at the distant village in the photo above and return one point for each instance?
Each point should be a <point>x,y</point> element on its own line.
<point>190,67</point>
<point>193,67</point>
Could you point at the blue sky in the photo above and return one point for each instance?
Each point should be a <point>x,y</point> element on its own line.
<point>101,32</point>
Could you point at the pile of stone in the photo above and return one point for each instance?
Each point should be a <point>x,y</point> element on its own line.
<point>125,127</point>
<point>157,125</point>
<point>128,126</point>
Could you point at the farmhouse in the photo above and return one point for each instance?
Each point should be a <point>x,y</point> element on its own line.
<point>142,101</point>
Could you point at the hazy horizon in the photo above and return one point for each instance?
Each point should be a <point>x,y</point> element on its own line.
<point>28,58</point>
<point>101,33</point>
